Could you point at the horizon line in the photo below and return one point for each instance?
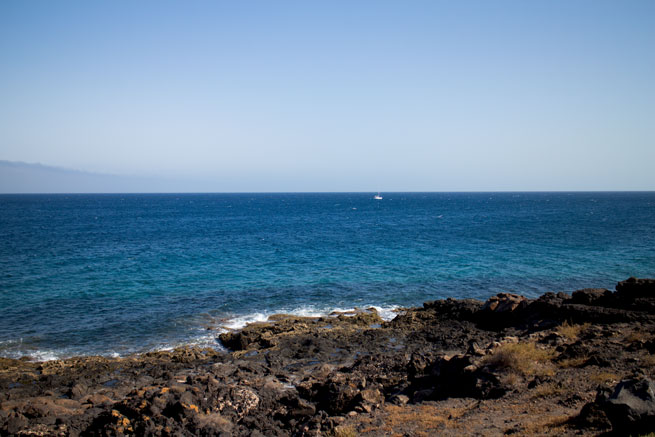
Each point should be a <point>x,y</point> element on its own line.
<point>327,192</point>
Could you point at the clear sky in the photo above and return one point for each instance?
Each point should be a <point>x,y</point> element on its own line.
<point>334,95</point>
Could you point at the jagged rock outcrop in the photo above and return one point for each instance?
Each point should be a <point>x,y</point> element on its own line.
<point>305,376</point>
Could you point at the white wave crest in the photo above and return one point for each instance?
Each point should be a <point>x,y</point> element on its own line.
<point>386,313</point>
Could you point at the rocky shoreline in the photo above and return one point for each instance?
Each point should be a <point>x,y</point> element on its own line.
<point>562,364</point>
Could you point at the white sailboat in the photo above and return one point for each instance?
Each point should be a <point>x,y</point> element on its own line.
<point>377,196</point>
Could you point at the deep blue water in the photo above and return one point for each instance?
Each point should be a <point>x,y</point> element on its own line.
<point>104,274</point>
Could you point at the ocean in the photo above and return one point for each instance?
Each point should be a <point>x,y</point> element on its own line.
<point>116,274</point>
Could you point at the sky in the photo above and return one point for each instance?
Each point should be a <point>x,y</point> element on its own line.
<point>332,95</point>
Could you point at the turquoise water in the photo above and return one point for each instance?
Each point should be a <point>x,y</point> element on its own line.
<point>115,274</point>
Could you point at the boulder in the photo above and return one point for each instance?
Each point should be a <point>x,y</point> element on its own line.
<point>371,398</point>
<point>633,288</point>
<point>631,408</point>
<point>399,399</point>
<point>502,310</point>
<point>593,416</point>
<point>591,296</point>
<point>504,303</point>
<point>337,394</point>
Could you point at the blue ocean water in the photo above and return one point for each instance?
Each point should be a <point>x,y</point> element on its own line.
<point>116,274</point>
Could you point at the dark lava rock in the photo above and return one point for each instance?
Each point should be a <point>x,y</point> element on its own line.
<point>457,376</point>
<point>597,360</point>
<point>591,296</point>
<point>632,406</point>
<point>460,309</point>
<point>306,376</point>
<point>575,350</point>
<point>633,288</point>
<point>339,393</point>
<point>592,415</point>
<point>501,311</point>
<point>504,303</point>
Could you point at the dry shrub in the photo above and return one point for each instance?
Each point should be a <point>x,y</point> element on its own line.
<point>548,390</point>
<point>648,360</point>
<point>511,380</point>
<point>573,362</point>
<point>604,378</point>
<point>571,331</point>
<point>424,416</point>
<point>637,336</point>
<point>525,358</point>
<point>551,423</point>
<point>343,431</point>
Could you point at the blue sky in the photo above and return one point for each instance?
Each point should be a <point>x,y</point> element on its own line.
<point>334,95</point>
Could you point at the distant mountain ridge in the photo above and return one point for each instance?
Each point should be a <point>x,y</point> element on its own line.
<point>22,178</point>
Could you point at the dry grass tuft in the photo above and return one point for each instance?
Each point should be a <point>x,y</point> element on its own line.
<point>424,416</point>
<point>637,336</point>
<point>571,331</point>
<point>548,390</point>
<point>524,358</point>
<point>420,420</point>
<point>604,378</point>
<point>343,431</point>
<point>511,380</point>
<point>552,423</point>
<point>572,362</point>
<point>648,361</point>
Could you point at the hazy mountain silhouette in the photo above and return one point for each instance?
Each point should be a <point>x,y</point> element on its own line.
<point>21,177</point>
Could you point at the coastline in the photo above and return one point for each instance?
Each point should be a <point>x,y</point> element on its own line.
<point>129,274</point>
<point>546,366</point>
